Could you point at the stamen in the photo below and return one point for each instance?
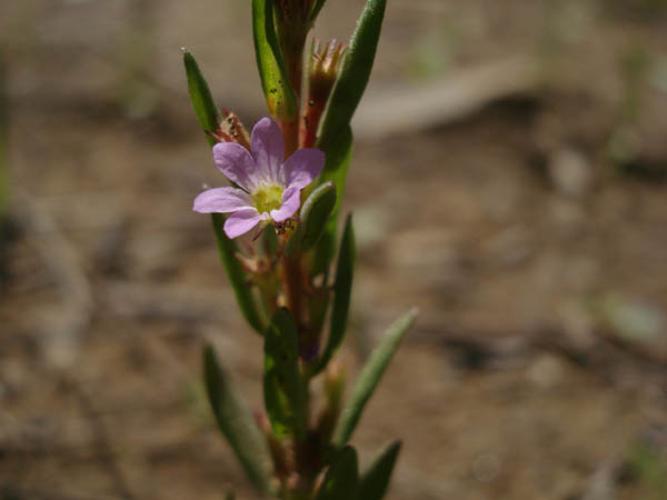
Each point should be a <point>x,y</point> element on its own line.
<point>268,197</point>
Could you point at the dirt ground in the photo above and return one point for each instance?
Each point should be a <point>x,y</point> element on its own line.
<point>530,232</point>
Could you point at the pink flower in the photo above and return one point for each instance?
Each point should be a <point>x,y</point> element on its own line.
<point>269,187</point>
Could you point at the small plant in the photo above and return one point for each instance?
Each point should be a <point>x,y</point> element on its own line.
<point>286,181</point>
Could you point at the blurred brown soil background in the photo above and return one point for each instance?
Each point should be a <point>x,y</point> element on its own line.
<point>524,213</point>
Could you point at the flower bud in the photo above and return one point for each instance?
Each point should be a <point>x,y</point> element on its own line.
<point>323,72</point>
<point>324,68</point>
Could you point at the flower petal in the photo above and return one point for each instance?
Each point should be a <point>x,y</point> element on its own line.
<point>236,163</point>
<point>268,148</point>
<point>303,166</point>
<point>241,222</point>
<point>222,200</point>
<point>291,202</point>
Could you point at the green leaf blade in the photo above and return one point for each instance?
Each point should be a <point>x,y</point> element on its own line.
<point>355,72</point>
<point>236,423</point>
<point>284,395</point>
<point>342,478</point>
<point>342,294</point>
<point>208,117</point>
<point>280,97</point>
<point>201,98</point>
<point>374,482</point>
<point>227,251</point>
<point>315,212</point>
<point>338,156</point>
<point>370,377</point>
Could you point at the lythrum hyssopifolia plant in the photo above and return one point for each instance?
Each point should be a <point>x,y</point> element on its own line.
<point>276,225</point>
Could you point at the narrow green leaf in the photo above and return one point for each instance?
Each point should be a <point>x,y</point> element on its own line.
<point>354,73</point>
<point>314,217</point>
<point>370,377</point>
<point>342,293</point>
<point>335,135</point>
<point>374,482</point>
<point>315,213</point>
<point>280,97</point>
<point>342,477</point>
<point>207,114</point>
<point>284,395</point>
<point>338,156</point>
<point>227,250</point>
<point>236,423</point>
<point>200,95</point>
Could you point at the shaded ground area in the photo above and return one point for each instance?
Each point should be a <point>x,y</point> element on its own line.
<point>530,233</point>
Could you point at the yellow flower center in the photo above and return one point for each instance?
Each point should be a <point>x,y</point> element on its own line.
<point>268,197</point>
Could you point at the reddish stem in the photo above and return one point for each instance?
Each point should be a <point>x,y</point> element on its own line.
<point>311,120</point>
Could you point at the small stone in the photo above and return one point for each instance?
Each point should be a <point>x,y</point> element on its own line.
<point>546,372</point>
<point>570,173</point>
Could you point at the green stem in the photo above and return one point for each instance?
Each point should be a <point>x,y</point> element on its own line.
<point>307,448</point>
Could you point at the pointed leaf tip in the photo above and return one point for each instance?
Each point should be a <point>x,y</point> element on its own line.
<point>370,376</point>
<point>354,73</point>
<point>200,96</point>
<point>374,483</point>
